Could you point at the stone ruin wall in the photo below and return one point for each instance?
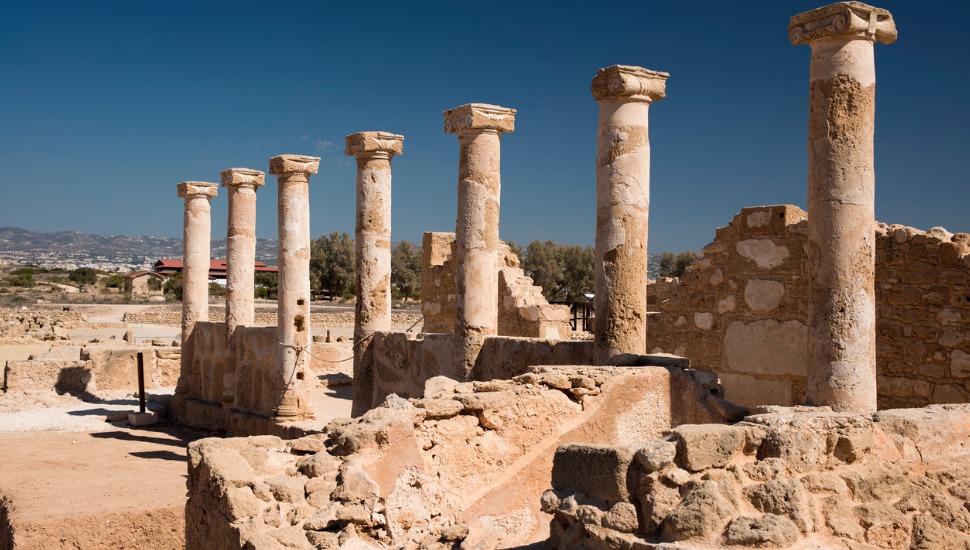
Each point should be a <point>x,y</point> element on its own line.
<point>522,310</point>
<point>783,478</point>
<point>401,363</point>
<point>741,311</point>
<point>92,368</point>
<point>463,465</point>
<point>255,385</point>
<point>172,316</point>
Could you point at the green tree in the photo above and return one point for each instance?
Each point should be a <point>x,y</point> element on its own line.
<point>332,264</point>
<point>674,265</point>
<point>21,279</point>
<point>83,276</point>
<point>154,284</point>
<point>267,285</point>
<point>406,269</point>
<point>576,263</point>
<point>114,281</point>
<point>517,250</point>
<point>565,272</point>
<point>215,289</point>
<point>173,287</point>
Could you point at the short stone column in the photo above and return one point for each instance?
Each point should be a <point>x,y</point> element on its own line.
<point>373,151</point>
<point>624,95</point>
<point>241,184</point>
<point>197,233</point>
<point>293,305</point>
<point>479,128</point>
<point>841,198</point>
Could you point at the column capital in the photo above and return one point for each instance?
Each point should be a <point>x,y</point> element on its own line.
<point>292,164</point>
<point>479,116</point>
<point>845,20</point>
<point>192,189</point>
<point>374,143</point>
<point>629,83</point>
<point>237,177</point>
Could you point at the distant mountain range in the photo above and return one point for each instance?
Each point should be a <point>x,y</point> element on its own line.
<point>117,248</point>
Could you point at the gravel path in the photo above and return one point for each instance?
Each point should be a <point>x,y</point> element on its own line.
<point>49,412</point>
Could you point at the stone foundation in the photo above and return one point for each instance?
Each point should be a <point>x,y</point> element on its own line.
<point>467,462</point>
<point>785,478</point>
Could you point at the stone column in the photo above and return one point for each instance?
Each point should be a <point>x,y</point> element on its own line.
<point>197,232</point>
<point>374,151</point>
<point>479,128</point>
<point>841,196</point>
<point>241,184</point>
<point>293,305</point>
<point>624,95</point>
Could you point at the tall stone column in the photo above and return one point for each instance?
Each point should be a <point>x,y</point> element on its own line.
<point>624,95</point>
<point>241,184</point>
<point>293,305</point>
<point>841,198</point>
<point>373,151</point>
<point>197,232</point>
<point>479,127</point>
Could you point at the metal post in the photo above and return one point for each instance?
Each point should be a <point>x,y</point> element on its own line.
<point>141,382</point>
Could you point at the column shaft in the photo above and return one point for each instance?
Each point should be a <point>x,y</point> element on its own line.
<point>476,243</point>
<point>293,305</point>
<point>841,201</point>
<point>624,94</point>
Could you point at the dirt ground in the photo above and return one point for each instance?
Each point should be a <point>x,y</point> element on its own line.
<point>115,489</point>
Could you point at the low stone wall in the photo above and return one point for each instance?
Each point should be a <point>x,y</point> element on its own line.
<point>401,363</point>
<point>741,311</point>
<point>95,368</point>
<point>786,478</point>
<point>239,394</point>
<point>465,465</point>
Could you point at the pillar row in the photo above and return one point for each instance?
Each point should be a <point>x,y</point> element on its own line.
<point>479,127</point>
<point>293,306</point>
<point>624,94</point>
<point>841,201</point>
<point>373,151</point>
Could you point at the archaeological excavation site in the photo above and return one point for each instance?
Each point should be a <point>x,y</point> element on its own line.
<point>804,385</point>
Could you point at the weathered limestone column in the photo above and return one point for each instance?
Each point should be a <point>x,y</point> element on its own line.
<point>372,244</point>
<point>293,305</point>
<point>841,198</point>
<point>241,184</point>
<point>197,232</point>
<point>624,95</point>
<point>479,127</point>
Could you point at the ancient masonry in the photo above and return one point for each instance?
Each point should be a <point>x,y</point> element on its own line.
<point>469,438</point>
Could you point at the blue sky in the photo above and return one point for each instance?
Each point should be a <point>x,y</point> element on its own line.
<point>106,106</point>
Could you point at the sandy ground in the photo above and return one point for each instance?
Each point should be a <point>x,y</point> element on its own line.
<point>70,479</point>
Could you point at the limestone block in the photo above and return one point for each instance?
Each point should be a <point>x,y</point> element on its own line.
<point>762,295</point>
<point>704,320</point>
<point>763,252</point>
<point>655,455</point>
<point>769,530</point>
<point>959,364</point>
<point>749,391</point>
<point>703,446</point>
<point>599,471</point>
<point>767,347</point>
<point>784,498</point>
<point>726,304</point>
<point>48,375</point>
<point>703,512</point>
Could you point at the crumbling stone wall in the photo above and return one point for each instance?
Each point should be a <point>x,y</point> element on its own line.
<point>172,316</point>
<point>741,311</point>
<point>401,363</point>
<point>466,464</point>
<point>522,310</point>
<point>784,478</point>
<point>93,368</point>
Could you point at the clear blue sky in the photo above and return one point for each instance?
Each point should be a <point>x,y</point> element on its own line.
<point>106,106</point>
